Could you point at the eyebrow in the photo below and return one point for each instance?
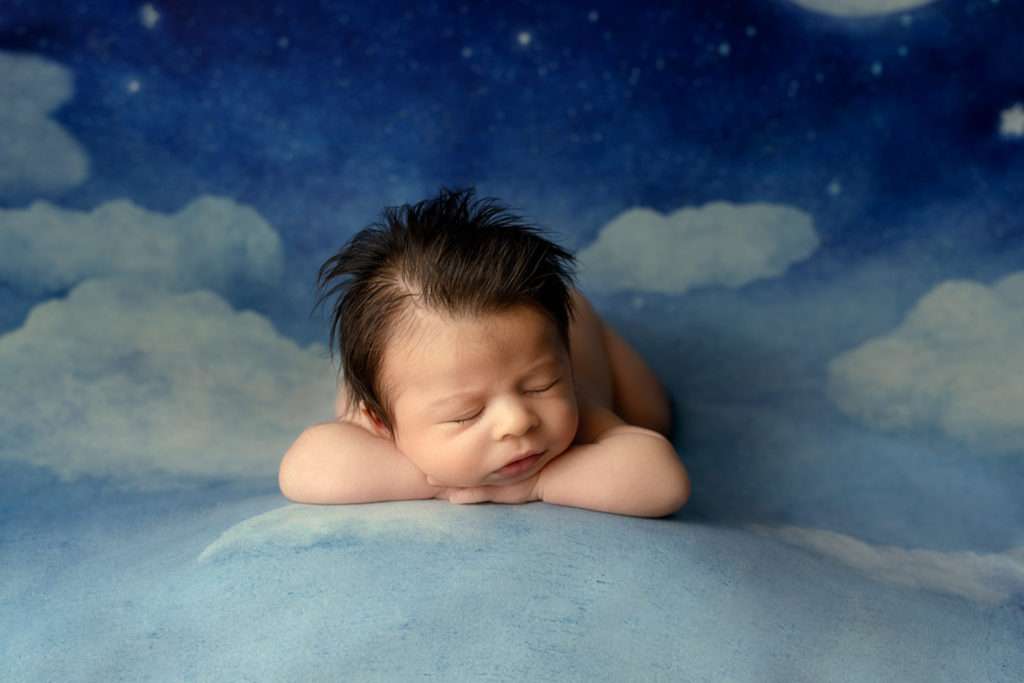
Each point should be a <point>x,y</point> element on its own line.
<point>462,395</point>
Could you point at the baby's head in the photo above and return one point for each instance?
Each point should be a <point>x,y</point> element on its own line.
<point>446,258</point>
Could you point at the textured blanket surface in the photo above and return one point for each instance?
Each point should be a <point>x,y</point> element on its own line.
<point>255,589</point>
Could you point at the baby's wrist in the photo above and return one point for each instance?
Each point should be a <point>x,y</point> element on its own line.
<point>537,492</point>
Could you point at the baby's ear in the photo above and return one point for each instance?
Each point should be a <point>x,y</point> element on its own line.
<point>376,422</point>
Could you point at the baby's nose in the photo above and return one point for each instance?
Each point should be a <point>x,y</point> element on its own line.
<point>515,419</point>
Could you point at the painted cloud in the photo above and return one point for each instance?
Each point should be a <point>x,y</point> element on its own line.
<point>36,154</point>
<point>141,372</point>
<point>983,577</point>
<point>718,244</point>
<point>1011,122</point>
<point>125,380</point>
<point>305,526</point>
<point>956,363</point>
<point>212,243</point>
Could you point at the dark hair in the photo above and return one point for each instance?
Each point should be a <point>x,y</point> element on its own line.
<point>449,254</point>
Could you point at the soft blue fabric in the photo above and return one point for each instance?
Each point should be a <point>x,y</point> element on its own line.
<point>804,214</point>
<point>400,591</point>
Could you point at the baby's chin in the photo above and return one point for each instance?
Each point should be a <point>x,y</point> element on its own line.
<point>493,479</point>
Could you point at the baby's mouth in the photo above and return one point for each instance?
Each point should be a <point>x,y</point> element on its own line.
<point>521,465</point>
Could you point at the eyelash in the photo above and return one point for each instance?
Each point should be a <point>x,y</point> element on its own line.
<point>477,414</point>
<point>541,391</point>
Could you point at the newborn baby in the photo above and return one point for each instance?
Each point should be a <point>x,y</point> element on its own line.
<point>474,372</point>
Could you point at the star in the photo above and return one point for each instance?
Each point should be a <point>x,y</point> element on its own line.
<point>1011,123</point>
<point>524,38</point>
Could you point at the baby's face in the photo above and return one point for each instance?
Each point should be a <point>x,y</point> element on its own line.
<point>470,396</point>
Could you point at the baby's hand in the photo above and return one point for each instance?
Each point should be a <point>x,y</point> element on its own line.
<point>524,491</point>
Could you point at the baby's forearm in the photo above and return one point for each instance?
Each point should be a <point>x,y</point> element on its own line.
<point>628,471</point>
<point>339,462</point>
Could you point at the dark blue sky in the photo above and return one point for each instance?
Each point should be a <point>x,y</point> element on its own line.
<point>308,104</point>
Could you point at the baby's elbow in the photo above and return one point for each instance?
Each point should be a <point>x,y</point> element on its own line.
<point>286,476</point>
<point>673,486</point>
<point>680,491</point>
<point>291,475</point>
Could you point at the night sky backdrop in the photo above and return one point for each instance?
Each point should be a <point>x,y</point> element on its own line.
<point>804,213</point>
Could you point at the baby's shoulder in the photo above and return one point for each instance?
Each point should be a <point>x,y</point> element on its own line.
<point>595,419</point>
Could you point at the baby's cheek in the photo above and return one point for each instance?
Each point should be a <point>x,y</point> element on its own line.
<point>569,422</point>
<point>442,463</point>
<point>460,473</point>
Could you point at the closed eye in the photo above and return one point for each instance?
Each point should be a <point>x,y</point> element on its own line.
<point>541,391</point>
<point>463,420</point>
<point>468,418</point>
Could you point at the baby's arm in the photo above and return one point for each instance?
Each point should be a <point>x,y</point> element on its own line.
<point>342,462</point>
<point>626,470</point>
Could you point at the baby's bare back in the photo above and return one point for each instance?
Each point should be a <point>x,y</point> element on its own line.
<point>590,363</point>
<point>611,375</point>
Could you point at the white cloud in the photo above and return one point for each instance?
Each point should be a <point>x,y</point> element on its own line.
<point>718,244</point>
<point>36,154</point>
<point>212,243</point>
<point>860,8</point>
<point>304,526</point>
<point>991,578</point>
<point>124,380</point>
<point>1011,121</point>
<point>955,363</point>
